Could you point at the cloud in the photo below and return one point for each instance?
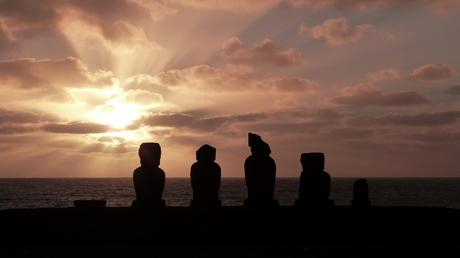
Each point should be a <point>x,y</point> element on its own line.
<point>104,148</point>
<point>368,95</point>
<point>383,75</point>
<point>433,73</point>
<point>244,6</point>
<point>7,41</point>
<point>336,31</point>
<point>365,4</point>
<point>265,52</point>
<point>75,128</point>
<point>117,21</point>
<point>293,121</point>
<point>443,138</point>
<point>206,77</point>
<point>141,97</point>
<point>454,90</point>
<point>20,122</point>
<point>231,78</point>
<point>145,82</point>
<point>25,15</point>
<point>437,6</point>
<point>421,119</point>
<point>16,129</point>
<point>196,123</point>
<point>348,133</point>
<point>23,117</point>
<point>30,73</point>
<point>290,84</point>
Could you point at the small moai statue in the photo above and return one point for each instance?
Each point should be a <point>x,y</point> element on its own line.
<point>149,178</point>
<point>260,174</point>
<point>360,194</point>
<point>315,183</point>
<point>205,175</point>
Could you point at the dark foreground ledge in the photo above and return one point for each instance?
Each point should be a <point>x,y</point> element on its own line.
<point>230,232</point>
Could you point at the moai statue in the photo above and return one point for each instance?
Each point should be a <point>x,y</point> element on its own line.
<point>315,183</point>
<point>360,194</point>
<point>260,174</point>
<point>205,175</point>
<point>149,178</point>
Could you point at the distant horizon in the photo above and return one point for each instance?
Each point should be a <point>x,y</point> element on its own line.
<point>415,177</point>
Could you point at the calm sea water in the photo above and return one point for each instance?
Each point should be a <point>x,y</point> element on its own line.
<point>41,193</point>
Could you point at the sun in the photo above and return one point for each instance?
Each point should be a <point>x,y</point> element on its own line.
<point>116,114</point>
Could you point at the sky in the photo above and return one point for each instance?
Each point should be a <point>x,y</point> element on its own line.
<point>373,84</point>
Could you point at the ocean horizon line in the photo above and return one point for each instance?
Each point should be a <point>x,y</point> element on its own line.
<point>242,177</point>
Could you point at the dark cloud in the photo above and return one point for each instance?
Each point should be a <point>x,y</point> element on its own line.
<point>29,73</point>
<point>444,138</point>
<point>75,128</point>
<point>21,122</point>
<point>263,53</point>
<point>453,90</point>
<point>17,129</point>
<point>295,121</point>
<point>433,73</point>
<point>23,117</point>
<point>118,21</point>
<point>303,122</point>
<point>288,127</point>
<point>363,4</point>
<point>26,14</point>
<point>195,123</point>
<point>421,119</point>
<point>347,133</point>
<point>326,115</point>
<point>430,119</point>
<point>251,6</point>
<point>369,96</point>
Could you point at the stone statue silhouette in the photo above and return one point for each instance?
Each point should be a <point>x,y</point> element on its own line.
<point>315,183</point>
<point>260,174</point>
<point>149,179</point>
<point>205,176</point>
<point>360,194</point>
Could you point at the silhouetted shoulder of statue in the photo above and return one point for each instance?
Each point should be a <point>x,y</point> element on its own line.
<point>205,175</point>
<point>149,179</point>
<point>315,183</point>
<point>360,194</point>
<point>260,173</point>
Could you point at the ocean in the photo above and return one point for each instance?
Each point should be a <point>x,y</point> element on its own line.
<point>119,192</point>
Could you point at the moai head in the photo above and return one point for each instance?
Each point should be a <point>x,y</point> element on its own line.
<point>206,153</point>
<point>150,154</point>
<point>258,146</point>
<point>312,161</point>
<point>360,190</point>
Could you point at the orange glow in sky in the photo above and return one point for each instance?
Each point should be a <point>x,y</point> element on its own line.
<point>373,84</point>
